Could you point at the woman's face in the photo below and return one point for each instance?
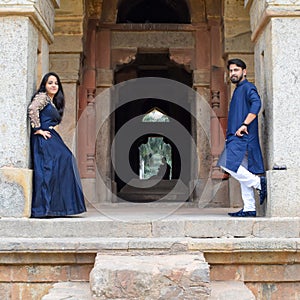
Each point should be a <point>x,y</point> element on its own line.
<point>51,86</point>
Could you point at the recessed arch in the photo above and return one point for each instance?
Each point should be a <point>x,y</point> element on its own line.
<point>153,11</point>
<point>155,115</point>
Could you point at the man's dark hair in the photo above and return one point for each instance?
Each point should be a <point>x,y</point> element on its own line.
<point>236,61</point>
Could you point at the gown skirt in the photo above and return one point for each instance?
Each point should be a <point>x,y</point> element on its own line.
<point>57,189</point>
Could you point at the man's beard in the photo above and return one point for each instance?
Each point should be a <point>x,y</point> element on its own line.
<point>235,79</point>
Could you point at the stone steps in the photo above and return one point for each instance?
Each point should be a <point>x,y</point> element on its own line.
<point>220,290</point>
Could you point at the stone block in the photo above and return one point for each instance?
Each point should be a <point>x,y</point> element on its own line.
<point>165,276</point>
<point>224,290</point>
<point>216,228</point>
<point>14,146</point>
<point>283,193</point>
<point>276,228</point>
<point>15,192</point>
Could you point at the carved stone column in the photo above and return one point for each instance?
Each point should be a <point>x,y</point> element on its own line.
<point>275,32</point>
<point>104,107</point>
<point>26,28</point>
<point>216,142</point>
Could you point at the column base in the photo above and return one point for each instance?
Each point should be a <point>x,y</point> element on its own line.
<point>15,192</point>
<point>283,193</point>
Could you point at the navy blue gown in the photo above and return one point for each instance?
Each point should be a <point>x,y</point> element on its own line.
<point>57,189</point>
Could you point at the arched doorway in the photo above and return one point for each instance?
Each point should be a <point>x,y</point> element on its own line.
<point>155,64</point>
<point>188,51</point>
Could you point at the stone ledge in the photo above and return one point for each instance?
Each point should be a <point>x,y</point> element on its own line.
<point>177,226</point>
<point>261,12</point>
<point>93,245</point>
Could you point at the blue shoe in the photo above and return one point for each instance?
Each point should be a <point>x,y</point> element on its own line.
<point>235,213</point>
<point>243,214</point>
<point>263,190</point>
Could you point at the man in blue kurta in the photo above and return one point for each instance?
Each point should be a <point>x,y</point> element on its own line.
<point>242,157</point>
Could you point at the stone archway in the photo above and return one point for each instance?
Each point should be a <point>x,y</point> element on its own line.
<point>194,48</point>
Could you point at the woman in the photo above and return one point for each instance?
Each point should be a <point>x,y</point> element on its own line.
<point>57,189</point>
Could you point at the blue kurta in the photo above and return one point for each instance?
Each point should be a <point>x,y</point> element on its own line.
<point>245,100</point>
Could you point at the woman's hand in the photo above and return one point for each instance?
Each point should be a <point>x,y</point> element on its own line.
<point>46,134</point>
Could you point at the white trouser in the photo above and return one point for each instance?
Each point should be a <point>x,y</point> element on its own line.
<point>248,181</point>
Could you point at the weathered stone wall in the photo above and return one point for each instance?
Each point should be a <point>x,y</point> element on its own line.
<point>25,31</point>
<point>277,56</point>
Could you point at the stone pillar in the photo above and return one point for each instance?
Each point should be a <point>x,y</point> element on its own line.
<point>275,32</point>
<point>26,30</point>
<point>104,181</point>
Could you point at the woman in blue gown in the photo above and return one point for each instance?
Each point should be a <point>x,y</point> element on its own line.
<point>57,188</point>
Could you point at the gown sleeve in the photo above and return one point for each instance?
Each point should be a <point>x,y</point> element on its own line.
<point>36,105</point>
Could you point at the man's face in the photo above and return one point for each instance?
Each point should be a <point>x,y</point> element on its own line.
<point>236,74</point>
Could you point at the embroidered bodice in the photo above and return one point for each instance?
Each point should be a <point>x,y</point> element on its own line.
<point>42,112</point>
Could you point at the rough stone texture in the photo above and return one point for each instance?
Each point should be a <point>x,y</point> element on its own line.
<point>18,72</point>
<point>286,55</point>
<point>16,192</point>
<point>14,98</point>
<point>282,146</point>
<point>177,276</point>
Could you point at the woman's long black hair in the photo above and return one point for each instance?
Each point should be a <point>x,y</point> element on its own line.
<point>59,98</point>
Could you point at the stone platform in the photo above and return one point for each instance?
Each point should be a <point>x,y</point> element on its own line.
<point>262,253</point>
<point>151,221</point>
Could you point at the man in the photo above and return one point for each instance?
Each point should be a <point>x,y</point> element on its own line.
<point>242,157</point>
<point>164,170</point>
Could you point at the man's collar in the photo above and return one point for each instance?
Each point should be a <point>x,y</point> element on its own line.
<point>242,82</point>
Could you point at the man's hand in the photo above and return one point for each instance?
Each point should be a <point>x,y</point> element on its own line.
<point>46,134</point>
<point>242,130</point>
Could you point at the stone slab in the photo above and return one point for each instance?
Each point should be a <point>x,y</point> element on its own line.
<point>283,193</point>
<point>15,192</point>
<point>156,222</point>
<point>147,277</point>
<point>93,245</point>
